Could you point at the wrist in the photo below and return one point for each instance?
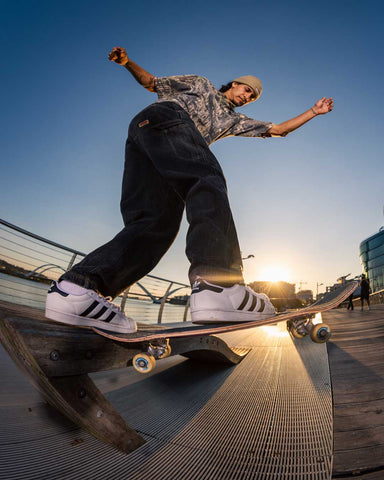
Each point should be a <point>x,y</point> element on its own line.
<point>314,112</point>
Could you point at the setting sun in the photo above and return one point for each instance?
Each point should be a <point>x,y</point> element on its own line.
<point>274,273</point>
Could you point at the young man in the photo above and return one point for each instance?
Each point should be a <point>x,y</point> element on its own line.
<point>169,167</point>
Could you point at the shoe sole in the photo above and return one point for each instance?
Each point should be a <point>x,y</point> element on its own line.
<point>216,316</point>
<point>77,321</point>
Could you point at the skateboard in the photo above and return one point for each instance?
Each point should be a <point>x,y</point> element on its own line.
<point>156,340</point>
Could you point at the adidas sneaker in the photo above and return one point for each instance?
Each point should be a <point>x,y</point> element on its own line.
<point>214,304</point>
<point>86,310</point>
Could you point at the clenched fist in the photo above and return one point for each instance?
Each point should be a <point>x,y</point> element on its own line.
<point>119,56</point>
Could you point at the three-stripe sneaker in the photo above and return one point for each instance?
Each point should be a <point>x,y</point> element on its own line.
<point>87,310</point>
<point>214,304</point>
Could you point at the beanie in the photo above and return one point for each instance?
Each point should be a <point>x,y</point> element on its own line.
<point>252,82</point>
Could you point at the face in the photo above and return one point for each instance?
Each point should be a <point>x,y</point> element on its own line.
<point>240,94</point>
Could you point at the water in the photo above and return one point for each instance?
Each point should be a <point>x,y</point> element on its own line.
<point>22,291</point>
<point>32,294</point>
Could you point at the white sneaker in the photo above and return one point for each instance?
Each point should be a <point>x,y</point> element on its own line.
<point>214,304</point>
<point>87,310</point>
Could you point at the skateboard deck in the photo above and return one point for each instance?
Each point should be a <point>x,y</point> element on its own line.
<point>152,333</point>
<point>155,343</point>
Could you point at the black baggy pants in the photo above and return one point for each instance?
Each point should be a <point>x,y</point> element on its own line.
<point>168,166</point>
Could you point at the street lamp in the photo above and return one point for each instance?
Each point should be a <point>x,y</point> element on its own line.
<point>317,289</point>
<point>249,256</point>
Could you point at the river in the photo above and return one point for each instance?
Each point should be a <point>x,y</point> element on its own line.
<point>31,293</point>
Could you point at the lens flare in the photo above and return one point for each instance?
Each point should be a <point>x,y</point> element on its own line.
<point>274,273</point>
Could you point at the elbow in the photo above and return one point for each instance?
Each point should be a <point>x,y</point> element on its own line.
<point>277,131</point>
<point>151,87</point>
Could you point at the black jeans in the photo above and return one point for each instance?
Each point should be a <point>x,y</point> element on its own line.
<point>168,166</point>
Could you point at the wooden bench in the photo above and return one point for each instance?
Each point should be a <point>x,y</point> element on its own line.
<point>58,358</point>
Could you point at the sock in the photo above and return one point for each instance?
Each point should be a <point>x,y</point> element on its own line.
<point>71,288</point>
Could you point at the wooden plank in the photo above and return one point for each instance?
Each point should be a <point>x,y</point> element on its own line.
<point>63,350</point>
<point>359,475</point>
<point>86,406</point>
<point>363,459</point>
<point>357,370</point>
<point>77,397</point>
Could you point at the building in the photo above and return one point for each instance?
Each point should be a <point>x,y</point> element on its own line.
<point>372,259</point>
<point>305,296</point>
<point>275,289</point>
<point>281,294</point>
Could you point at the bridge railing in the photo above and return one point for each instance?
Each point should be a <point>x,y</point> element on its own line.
<point>375,298</point>
<point>29,262</point>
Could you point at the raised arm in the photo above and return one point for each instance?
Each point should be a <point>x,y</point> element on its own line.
<point>119,56</point>
<point>321,107</point>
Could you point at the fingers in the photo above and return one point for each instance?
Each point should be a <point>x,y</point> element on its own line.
<point>114,54</point>
<point>324,105</point>
<point>118,55</point>
<point>329,103</point>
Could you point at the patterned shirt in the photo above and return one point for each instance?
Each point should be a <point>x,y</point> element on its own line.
<point>212,112</point>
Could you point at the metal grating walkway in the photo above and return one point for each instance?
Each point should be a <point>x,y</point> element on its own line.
<point>270,417</point>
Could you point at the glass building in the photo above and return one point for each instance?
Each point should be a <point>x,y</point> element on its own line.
<point>372,259</point>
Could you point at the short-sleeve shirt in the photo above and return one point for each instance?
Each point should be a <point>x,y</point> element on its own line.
<point>212,112</point>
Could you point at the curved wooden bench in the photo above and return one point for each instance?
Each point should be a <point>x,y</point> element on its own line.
<point>58,358</point>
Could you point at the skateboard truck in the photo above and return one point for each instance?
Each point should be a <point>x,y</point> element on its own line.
<point>145,362</point>
<point>300,327</point>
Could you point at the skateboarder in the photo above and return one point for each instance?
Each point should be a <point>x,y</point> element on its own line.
<point>364,295</point>
<point>169,167</point>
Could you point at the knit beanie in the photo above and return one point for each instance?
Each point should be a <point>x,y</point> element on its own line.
<point>252,82</point>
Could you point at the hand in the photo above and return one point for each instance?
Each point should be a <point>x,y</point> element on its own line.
<point>119,56</point>
<point>322,106</point>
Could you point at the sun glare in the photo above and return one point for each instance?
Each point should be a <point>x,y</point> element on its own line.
<point>274,273</point>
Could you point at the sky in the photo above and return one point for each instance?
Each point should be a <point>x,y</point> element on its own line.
<point>302,204</point>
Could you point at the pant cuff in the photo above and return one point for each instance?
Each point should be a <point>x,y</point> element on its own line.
<point>81,280</point>
<point>222,277</point>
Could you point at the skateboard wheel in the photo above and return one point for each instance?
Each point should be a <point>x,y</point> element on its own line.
<point>143,362</point>
<point>167,352</point>
<point>295,333</point>
<point>321,333</point>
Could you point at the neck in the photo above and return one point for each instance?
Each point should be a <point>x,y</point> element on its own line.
<point>229,99</point>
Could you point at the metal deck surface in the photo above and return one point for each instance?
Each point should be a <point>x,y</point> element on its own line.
<point>270,417</point>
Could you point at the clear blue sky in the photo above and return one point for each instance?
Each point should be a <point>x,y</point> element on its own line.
<point>303,203</point>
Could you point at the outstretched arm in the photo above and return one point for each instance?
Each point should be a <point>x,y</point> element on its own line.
<point>119,56</point>
<point>321,107</point>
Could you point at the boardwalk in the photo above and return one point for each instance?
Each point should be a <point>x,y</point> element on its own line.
<point>270,417</point>
<point>356,357</point>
